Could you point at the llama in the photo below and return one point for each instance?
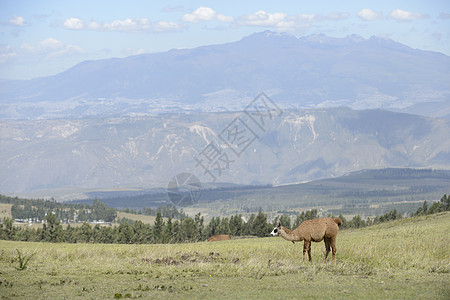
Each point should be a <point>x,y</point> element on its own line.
<point>314,230</point>
<point>220,237</point>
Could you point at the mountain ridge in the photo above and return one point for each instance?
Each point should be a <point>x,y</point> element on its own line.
<point>146,152</point>
<point>311,71</point>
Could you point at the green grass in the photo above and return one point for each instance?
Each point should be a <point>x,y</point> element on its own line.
<point>135,217</point>
<point>409,258</point>
<point>5,210</point>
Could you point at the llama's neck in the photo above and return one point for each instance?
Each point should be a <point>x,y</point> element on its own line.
<point>290,235</point>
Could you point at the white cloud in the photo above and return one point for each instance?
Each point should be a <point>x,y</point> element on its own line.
<point>369,15</point>
<point>17,21</point>
<point>199,15</point>
<point>223,18</point>
<point>7,53</point>
<point>93,25</point>
<point>164,26</point>
<point>284,22</point>
<point>137,24</point>
<point>263,18</point>
<point>336,16</point>
<point>203,14</point>
<point>308,18</point>
<point>44,50</point>
<point>126,25</point>
<point>403,15</point>
<point>53,48</point>
<point>73,23</point>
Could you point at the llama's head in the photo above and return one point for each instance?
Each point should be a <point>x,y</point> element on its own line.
<point>276,230</point>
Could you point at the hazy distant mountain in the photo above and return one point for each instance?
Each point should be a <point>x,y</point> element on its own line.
<point>300,72</point>
<point>129,153</point>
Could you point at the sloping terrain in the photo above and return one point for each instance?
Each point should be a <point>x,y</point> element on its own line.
<point>141,153</point>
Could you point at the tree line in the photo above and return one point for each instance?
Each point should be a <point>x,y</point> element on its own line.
<point>436,207</point>
<point>37,210</point>
<point>170,231</point>
<point>357,222</point>
<point>184,230</point>
<point>168,211</point>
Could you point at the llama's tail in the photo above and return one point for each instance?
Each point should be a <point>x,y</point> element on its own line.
<point>338,222</point>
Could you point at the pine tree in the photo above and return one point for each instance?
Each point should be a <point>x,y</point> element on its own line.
<point>52,230</point>
<point>260,226</point>
<point>235,225</point>
<point>158,228</point>
<point>168,231</point>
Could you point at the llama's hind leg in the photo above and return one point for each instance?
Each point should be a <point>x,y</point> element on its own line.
<point>327,248</point>
<point>333,247</point>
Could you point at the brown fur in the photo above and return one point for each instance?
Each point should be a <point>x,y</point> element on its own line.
<point>220,237</point>
<point>314,230</point>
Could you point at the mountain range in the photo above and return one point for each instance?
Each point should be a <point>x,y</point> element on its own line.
<point>305,72</point>
<point>79,155</point>
<point>334,105</point>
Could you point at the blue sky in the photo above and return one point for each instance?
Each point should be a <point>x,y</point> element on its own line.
<point>41,38</point>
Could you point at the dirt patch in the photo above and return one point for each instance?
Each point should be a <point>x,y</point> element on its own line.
<point>190,257</point>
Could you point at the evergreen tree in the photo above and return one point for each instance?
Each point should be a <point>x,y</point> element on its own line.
<point>158,228</point>
<point>224,226</point>
<point>213,227</point>
<point>176,232</point>
<point>260,227</point>
<point>199,227</point>
<point>247,227</point>
<point>140,232</point>
<point>125,234</point>
<point>85,233</point>
<point>445,200</point>
<point>235,225</point>
<point>356,222</point>
<point>103,212</point>
<point>7,230</point>
<point>168,231</point>
<point>52,231</point>
<point>188,230</point>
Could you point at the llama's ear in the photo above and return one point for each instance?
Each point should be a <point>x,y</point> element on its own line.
<point>279,224</point>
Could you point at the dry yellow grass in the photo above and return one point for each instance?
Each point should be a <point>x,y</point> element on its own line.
<point>5,210</point>
<point>144,218</point>
<point>397,260</point>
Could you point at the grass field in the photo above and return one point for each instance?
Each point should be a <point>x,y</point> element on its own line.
<point>144,218</point>
<point>405,259</point>
<point>5,210</point>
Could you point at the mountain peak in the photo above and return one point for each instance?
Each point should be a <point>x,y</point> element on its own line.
<point>268,34</point>
<point>356,38</point>
<point>323,39</point>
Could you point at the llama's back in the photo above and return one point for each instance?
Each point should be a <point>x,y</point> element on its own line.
<point>319,228</point>
<point>315,228</point>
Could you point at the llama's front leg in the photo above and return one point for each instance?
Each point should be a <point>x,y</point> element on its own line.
<point>306,248</point>
<point>309,252</point>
